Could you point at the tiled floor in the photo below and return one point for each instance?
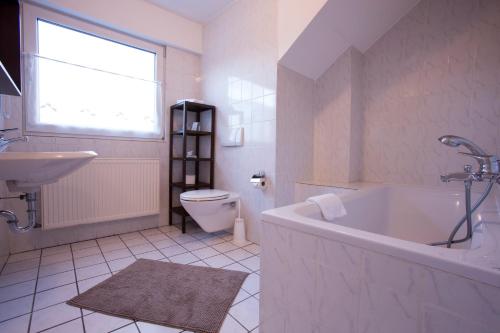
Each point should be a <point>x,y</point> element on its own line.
<point>34,285</point>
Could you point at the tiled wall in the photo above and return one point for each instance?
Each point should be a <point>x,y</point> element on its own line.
<point>239,77</point>
<point>315,284</point>
<point>294,132</point>
<point>183,71</point>
<point>337,115</point>
<point>435,72</point>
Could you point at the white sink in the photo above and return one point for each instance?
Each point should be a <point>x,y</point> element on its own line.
<point>27,171</point>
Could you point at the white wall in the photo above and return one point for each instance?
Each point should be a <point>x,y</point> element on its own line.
<point>436,72</point>
<point>294,132</point>
<point>4,230</point>
<point>137,17</point>
<point>239,77</point>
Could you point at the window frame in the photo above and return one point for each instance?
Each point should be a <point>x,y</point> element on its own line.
<point>32,13</point>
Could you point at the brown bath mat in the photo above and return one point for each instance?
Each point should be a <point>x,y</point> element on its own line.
<point>183,296</point>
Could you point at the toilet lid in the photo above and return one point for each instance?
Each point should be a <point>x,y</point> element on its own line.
<point>204,195</point>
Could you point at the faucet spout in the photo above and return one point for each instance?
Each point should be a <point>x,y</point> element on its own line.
<point>455,141</point>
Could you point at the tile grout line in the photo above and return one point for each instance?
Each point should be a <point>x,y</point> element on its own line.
<point>34,295</point>
<point>77,286</point>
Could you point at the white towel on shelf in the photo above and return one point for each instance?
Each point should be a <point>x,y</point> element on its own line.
<point>330,204</point>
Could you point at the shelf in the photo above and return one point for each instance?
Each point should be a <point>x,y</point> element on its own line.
<point>191,133</point>
<point>192,106</point>
<point>182,185</point>
<point>199,159</point>
<point>180,211</point>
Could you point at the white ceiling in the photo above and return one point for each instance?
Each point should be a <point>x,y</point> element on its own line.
<point>338,25</point>
<point>201,11</point>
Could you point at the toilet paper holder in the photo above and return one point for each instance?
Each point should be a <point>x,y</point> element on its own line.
<point>259,180</point>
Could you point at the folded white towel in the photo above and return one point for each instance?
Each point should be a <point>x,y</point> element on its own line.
<point>330,204</point>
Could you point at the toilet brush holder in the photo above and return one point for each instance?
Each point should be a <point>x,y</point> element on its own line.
<point>239,237</point>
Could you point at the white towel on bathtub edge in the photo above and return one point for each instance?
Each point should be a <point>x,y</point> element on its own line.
<point>330,205</point>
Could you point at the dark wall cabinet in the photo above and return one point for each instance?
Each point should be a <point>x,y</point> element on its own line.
<point>10,48</point>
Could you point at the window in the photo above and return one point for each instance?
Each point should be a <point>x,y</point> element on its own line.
<point>82,81</point>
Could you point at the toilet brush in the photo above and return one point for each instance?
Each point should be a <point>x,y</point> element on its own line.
<point>239,229</point>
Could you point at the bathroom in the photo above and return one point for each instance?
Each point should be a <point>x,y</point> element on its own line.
<point>292,101</point>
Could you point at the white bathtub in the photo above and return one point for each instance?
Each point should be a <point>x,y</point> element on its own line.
<point>372,270</point>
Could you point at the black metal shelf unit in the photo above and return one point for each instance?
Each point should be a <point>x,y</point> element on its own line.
<point>181,136</point>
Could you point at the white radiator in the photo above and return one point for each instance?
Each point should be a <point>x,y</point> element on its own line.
<point>106,189</point>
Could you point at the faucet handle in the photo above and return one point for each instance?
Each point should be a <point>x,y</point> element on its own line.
<point>9,129</point>
<point>487,163</point>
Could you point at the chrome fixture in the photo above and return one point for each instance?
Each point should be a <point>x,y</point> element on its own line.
<point>4,143</point>
<point>488,170</point>
<point>12,219</point>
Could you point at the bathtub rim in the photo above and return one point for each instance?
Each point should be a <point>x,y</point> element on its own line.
<point>447,260</point>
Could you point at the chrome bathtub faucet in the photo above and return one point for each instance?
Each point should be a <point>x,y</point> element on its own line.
<point>4,143</point>
<point>488,169</point>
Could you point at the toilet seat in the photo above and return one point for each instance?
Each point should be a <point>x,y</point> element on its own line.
<point>204,195</point>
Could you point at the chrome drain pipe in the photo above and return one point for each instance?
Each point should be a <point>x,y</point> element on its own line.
<point>12,219</point>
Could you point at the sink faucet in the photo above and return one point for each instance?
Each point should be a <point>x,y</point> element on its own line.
<point>489,169</point>
<point>4,143</point>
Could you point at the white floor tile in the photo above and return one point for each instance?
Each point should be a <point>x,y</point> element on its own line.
<point>152,328</point>
<point>156,237</point>
<point>143,248</point>
<point>151,232</point>
<point>131,328</point>
<point>55,280</point>
<point>22,276</point>
<point>252,284</point>
<point>89,260</point>
<point>173,250</point>
<point>231,326</point>
<point>130,235</point>
<point>153,255</point>
<point>136,241</point>
<point>246,313</point>
<point>15,307</point>
<point>242,294</point>
<point>213,240</point>
<point>191,246</point>
<point>117,254</point>
<point>74,326</point>
<point>56,250</point>
<point>91,271</point>
<point>17,290</point>
<point>83,245</point>
<point>253,248</point>
<point>218,261</point>
<point>14,267</point>
<point>54,296</point>
<point>205,252</point>
<point>24,256</point>
<point>238,267</point>
<point>101,323</point>
<point>85,285</point>
<point>119,264</point>
<point>119,245</point>
<point>109,240</point>
<point>55,258</point>
<point>52,316</point>
<point>16,325</point>
<point>184,258</point>
<point>164,243</point>
<point>252,263</point>
<point>241,244</point>
<point>225,247</point>
<point>56,268</point>
<point>199,263</point>
<point>238,254</point>
<point>183,238</point>
<point>89,251</point>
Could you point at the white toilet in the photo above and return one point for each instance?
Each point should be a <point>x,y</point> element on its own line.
<point>213,210</point>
